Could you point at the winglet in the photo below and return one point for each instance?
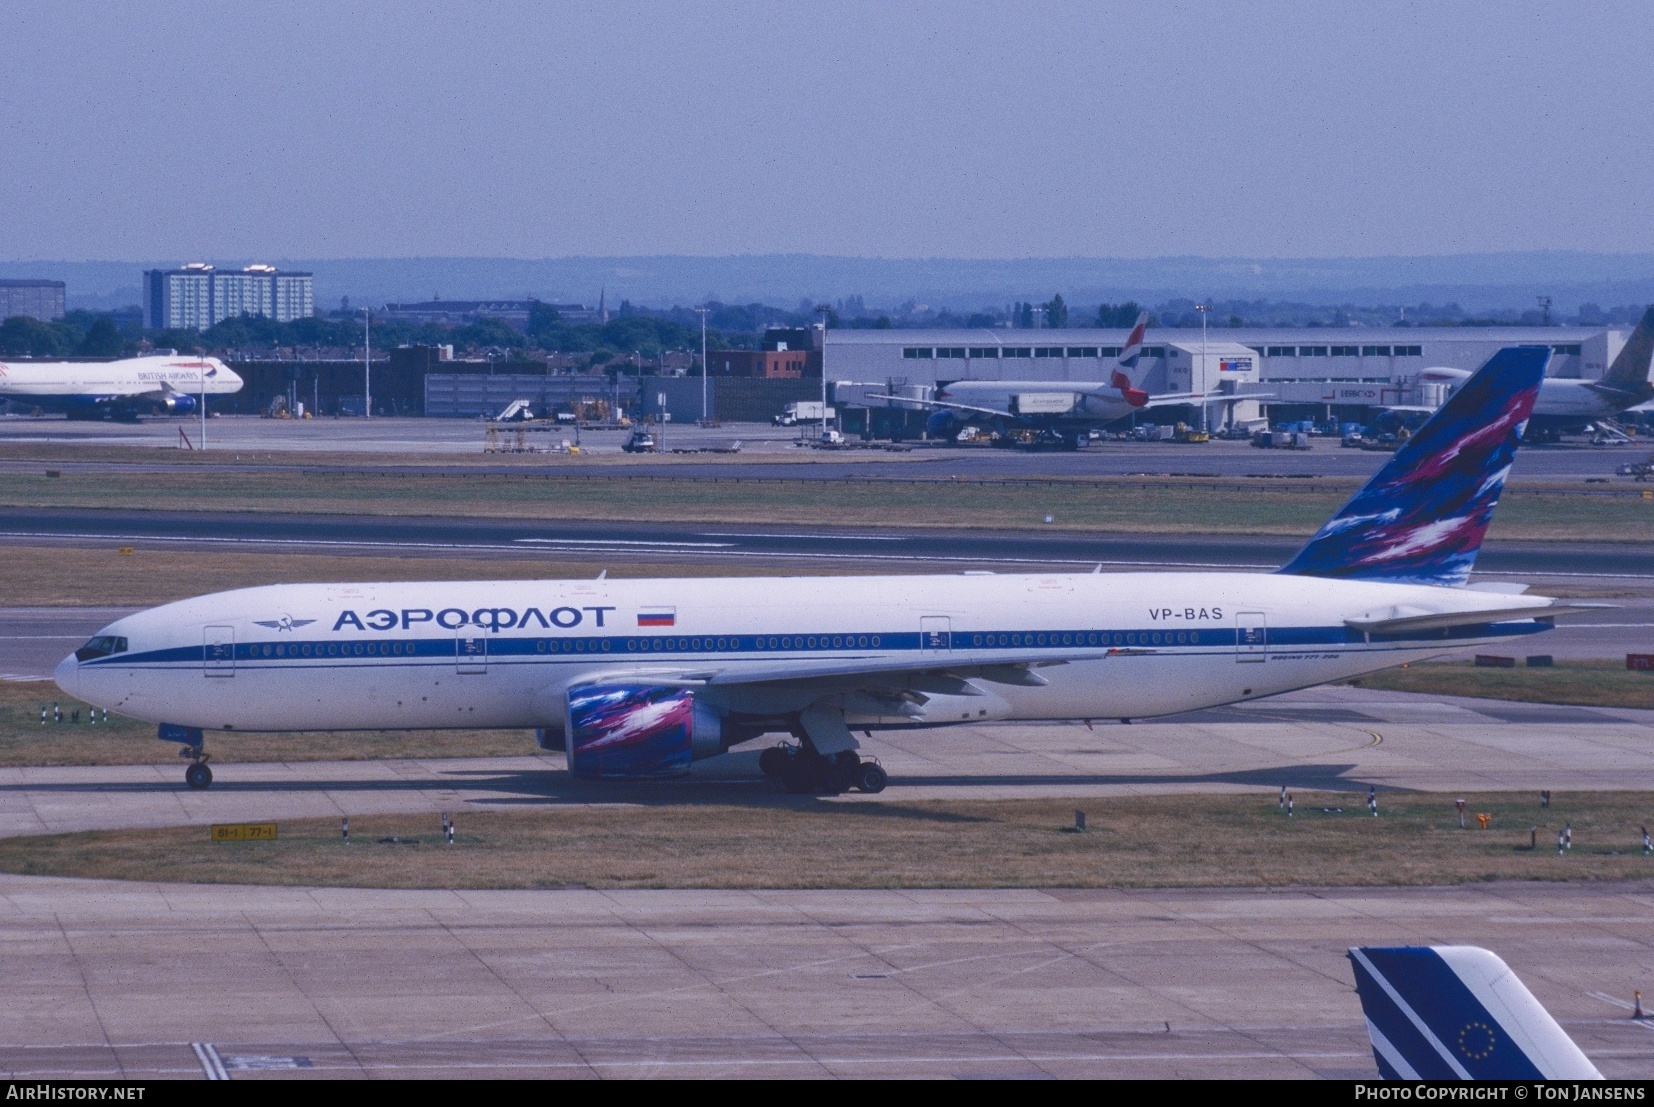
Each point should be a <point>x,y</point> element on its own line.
<point>1458,1012</point>
<point>1421,520</point>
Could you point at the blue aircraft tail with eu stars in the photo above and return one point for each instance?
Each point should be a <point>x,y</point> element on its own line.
<point>1459,1013</point>
<point>1421,520</point>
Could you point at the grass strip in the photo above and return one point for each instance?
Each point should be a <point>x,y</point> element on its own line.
<point>1586,683</point>
<point>1160,841</point>
<point>27,742</point>
<point>1155,506</point>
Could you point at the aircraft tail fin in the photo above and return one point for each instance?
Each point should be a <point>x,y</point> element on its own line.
<point>1634,365</point>
<point>1422,518</point>
<point>1134,343</point>
<point>1459,1012</point>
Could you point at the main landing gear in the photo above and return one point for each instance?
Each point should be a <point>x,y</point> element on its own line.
<point>803,771</point>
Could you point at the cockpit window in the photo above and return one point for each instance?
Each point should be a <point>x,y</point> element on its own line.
<point>101,646</point>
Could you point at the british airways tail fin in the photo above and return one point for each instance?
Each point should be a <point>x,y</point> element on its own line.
<point>1458,1012</point>
<point>1422,518</point>
<point>1134,344</point>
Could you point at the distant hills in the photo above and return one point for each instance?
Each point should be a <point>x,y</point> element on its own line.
<point>1477,282</point>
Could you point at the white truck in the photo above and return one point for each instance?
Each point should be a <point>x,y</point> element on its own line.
<point>808,411</point>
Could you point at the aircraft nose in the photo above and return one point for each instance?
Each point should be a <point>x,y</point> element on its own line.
<point>67,675</point>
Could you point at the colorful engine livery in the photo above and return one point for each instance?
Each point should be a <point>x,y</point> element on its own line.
<point>638,730</point>
<point>1422,518</point>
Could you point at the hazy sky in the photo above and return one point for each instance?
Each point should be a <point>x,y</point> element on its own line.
<point>326,128</point>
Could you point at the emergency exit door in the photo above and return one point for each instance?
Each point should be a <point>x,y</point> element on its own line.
<point>935,634</point>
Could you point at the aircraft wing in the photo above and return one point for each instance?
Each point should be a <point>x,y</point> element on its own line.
<point>1000,668</point>
<point>1202,399</point>
<point>945,405</point>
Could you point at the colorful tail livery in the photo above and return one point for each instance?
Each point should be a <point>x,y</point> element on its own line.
<point>1136,397</point>
<point>1458,1012</point>
<point>1422,518</point>
<point>1134,341</point>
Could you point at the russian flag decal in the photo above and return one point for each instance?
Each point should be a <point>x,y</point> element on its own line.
<point>657,617</point>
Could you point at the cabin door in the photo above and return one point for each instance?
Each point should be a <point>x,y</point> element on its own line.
<point>218,653</point>
<point>1251,636</point>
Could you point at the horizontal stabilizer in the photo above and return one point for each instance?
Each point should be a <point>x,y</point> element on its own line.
<point>1458,1013</point>
<point>1402,624</point>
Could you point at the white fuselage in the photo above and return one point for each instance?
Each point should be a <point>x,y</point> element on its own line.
<point>128,377</point>
<point>1559,397</point>
<point>504,654</point>
<point>1062,401</point>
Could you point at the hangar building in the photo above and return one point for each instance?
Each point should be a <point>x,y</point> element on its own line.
<point>1308,372</point>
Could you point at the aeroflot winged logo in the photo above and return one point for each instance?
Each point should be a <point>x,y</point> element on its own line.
<point>286,622</point>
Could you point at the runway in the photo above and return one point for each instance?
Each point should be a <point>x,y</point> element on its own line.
<point>899,549</point>
<point>133,981</point>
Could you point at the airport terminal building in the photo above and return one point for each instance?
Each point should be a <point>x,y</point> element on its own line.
<point>1306,372</point>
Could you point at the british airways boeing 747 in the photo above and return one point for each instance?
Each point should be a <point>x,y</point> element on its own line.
<point>642,677</point>
<point>157,384</point>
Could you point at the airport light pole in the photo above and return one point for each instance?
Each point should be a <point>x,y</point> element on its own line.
<point>826,310</point>
<point>704,367</point>
<point>1205,310</point>
<point>367,363</point>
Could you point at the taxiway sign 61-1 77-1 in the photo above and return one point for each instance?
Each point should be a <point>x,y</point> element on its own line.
<point>641,677</point>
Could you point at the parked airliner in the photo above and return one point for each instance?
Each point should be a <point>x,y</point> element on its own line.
<point>1064,412</point>
<point>124,389</point>
<point>641,677</point>
<point>1567,406</point>
<point>1459,1013</point>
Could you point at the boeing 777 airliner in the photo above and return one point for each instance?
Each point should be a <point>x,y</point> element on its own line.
<point>641,677</point>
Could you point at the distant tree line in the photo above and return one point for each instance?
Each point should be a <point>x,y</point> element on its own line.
<point>650,332</point>
<point>77,334</point>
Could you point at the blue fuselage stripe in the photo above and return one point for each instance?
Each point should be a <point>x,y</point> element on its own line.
<point>703,646</point>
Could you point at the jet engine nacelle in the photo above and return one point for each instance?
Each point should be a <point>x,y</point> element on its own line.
<point>638,730</point>
<point>176,404</point>
<point>942,424</point>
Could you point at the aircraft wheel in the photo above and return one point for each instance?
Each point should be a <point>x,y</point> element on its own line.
<point>870,778</point>
<point>774,761</point>
<point>197,775</point>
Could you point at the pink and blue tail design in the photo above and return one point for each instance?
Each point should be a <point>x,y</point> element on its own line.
<point>1422,518</point>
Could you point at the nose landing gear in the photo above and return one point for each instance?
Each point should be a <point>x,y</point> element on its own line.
<point>197,775</point>
<point>190,741</point>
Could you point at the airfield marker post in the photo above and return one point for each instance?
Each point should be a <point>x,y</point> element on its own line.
<point>1460,804</point>
<point>344,829</point>
<point>1372,800</point>
<point>1289,805</point>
